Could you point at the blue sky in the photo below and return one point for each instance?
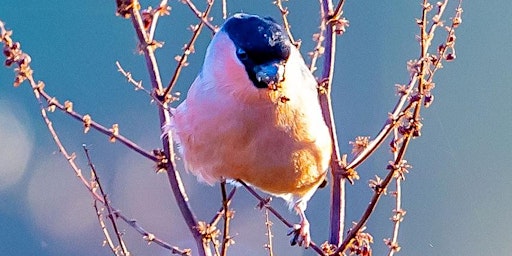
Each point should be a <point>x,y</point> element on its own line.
<point>457,195</point>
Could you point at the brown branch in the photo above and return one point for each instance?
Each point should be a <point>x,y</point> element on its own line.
<point>138,86</point>
<point>319,38</point>
<point>103,226</point>
<point>151,238</point>
<point>189,48</point>
<point>228,215</point>
<point>106,202</point>
<point>268,225</point>
<point>173,175</point>
<point>398,212</point>
<point>162,8</point>
<point>265,203</point>
<point>224,9</point>
<point>284,14</point>
<point>220,212</point>
<point>200,16</point>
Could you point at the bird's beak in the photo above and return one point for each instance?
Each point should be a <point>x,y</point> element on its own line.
<point>271,74</point>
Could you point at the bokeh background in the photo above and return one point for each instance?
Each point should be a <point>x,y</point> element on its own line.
<point>458,195</point>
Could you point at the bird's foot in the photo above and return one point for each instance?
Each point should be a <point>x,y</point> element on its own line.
<point>300,234</point>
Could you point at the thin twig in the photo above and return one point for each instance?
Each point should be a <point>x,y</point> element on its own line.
<point>138,86</point>
<point>284,14</point>
<point>265,203</point>
<point>162,8</point>
<point>200,16</point>
<point>268,225</point>
<point>189,48</point>
<point>398,213</point>
<point>224,9</point>
<point>228,214</point>
<point>106,202</point>
<point>220,212</point>
<point>103,226</point>
<point>319,39</point>
<point>151,238</point>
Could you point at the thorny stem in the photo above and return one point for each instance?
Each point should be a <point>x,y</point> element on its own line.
<point>106,202</point>
<point>393,244</point>
<point>172,174</point>
<point>138,85</point>
<point>265,203</point>
<point>286,24</point>
<point>187,51</point>
<point>268,225</point>
<point>320,36</point>
<point>151,238</point>
<point>199,15</point>
<point>220,212</point>
<point>226,239</point>
<point>104,229</point>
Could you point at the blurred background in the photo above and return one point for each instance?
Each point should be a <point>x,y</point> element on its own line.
<point>458,195</point>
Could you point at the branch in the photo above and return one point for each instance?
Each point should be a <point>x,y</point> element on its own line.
<point>337,214</point>
<point>412,126</point>
<point>284,14</point>
<point>103,226</point>
<point>173,175</point>
<point>398,212</point>
<point>268,225</point>
<point>265,203</point>
<point>106,202</point>
<point>200,16</point>
<point>228,215</point>
<point>14,55</point>
<point>138,86</point>
<point>189,48</point>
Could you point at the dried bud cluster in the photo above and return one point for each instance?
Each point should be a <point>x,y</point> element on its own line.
<point>14,55</point>
<point>361,243</point>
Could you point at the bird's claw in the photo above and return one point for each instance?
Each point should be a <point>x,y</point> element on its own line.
<point>300,235</point>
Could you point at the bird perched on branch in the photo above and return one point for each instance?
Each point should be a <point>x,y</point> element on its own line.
<point>253,114</point>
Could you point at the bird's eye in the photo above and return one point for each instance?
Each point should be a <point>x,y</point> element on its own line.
<point>242,54</point>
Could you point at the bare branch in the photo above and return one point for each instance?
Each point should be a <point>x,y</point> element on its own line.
<point>265,203</point>
<point>268,225</point>
<point>412,128</point>
<point>204,19</point>
<point>172,174</point>
<point>188,49</point>
<point>103,226</point>
<point>138,86</point>
<point>106,202</point>
<point>24,72</point>
<point>228,215</point>
<point>284,14</point>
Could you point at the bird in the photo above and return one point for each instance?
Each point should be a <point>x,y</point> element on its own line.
<point>253,114</point>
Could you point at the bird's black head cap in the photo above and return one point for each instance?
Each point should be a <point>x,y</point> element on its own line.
<point>258,41</point>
